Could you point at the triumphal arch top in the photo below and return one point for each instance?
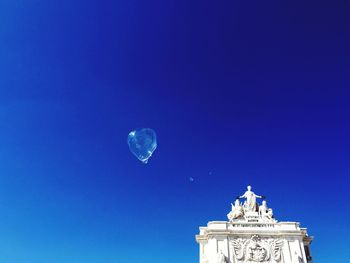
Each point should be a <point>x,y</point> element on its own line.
<point>252,234</point>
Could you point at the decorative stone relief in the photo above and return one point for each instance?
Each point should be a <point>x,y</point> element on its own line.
<point>257,249</point>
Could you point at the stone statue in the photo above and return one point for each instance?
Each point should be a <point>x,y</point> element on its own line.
<point>250,203</point>
<point>236,211</point>
<point>264,211</point>
<point>269,213</point>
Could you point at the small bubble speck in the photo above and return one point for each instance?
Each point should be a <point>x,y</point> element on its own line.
<point>191,179</point>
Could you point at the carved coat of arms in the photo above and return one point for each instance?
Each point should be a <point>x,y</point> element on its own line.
<point>257,249</point>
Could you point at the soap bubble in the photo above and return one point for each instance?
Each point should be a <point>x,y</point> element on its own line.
<point>142,143</point>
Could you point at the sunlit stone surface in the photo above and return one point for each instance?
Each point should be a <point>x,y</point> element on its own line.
<point>252,234</point>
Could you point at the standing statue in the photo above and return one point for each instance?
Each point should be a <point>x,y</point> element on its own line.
<point>250,203</point>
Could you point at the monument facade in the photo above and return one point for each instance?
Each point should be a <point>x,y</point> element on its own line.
<point>252,234</point>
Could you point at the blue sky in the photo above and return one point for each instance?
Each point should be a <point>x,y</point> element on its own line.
<point>239,92</point>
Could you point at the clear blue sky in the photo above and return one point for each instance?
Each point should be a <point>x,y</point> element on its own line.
<point>239,92</point>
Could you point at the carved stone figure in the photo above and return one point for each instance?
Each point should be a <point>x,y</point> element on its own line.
<point>250,203</point>
<point>256,252</point>
<point>236,211</point>
<point>269,213</point>
<point>264,211</point>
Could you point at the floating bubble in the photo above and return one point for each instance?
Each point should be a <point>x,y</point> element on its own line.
<point>191,179</point>
<point>142,143</point>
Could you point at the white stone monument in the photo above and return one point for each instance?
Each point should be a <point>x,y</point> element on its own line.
<point>251,235</point>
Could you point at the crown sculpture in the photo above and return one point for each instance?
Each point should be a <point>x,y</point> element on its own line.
<point>252,235</point>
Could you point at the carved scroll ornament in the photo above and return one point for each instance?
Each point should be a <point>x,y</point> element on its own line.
<point>257,249</point>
